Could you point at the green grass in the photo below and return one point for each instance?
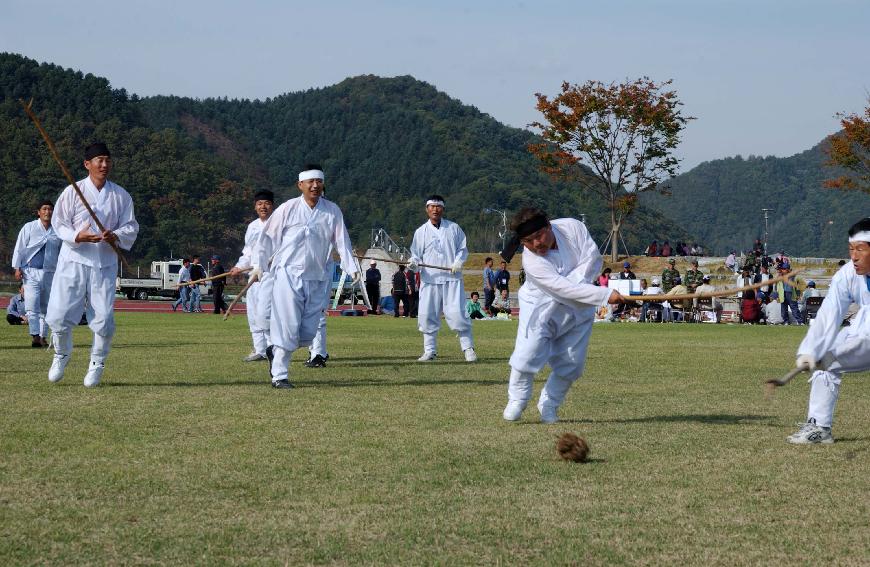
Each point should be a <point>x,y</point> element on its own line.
<point>186,456</point>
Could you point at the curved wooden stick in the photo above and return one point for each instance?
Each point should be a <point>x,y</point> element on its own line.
<point>403,263</point>
<point>771,385</point>
<point>29,111</point>
<point>238,297</point>
<point>719,293</point>
<point>210,278</point>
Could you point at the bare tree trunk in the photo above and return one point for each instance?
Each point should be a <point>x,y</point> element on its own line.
<point>614,236</point>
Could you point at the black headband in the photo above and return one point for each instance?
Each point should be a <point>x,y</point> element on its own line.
<point>264,196</point>
<point>96,149</point>
<point>531,226</point>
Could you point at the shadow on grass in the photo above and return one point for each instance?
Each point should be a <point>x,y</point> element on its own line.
<point>301,384</point>
<point>715,419</point>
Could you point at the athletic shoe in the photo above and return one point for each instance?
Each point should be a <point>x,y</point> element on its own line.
<point>283,384</point>
<point>316,362</point>
<point>43,341</point>
<point>95,372</point>
<point>35,342</point>
<point>58,365</point>
<point>513,411</point>
<point>174,307</point>
<point>427,356</point>
<point>254,357</point>
<point>811,434</point>
<point>548,414</point>
<point>470,355</point>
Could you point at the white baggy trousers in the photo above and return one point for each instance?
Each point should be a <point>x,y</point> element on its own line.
<point>851,353</point>
<point>73,285</point>
<point>259,310</point>
<point>557,335</point>
<point>37,289</point>
<point>297,305</point>
<point>448,298</point>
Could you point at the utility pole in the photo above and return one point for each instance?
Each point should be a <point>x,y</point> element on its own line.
<point>503,232</point>
<point>766,211</point>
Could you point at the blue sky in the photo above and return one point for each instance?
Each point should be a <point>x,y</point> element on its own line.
<point>762,77</point>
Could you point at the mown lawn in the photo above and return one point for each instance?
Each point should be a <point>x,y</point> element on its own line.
<point>186,456</point>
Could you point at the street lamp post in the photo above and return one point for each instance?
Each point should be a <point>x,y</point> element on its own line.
<point>503,232</point>
<point>766,211</point>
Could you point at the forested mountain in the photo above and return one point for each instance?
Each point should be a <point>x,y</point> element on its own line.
<point>720,201</point>
<point>192,165</point>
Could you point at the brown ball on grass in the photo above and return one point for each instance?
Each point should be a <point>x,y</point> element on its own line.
<point>572,448</point>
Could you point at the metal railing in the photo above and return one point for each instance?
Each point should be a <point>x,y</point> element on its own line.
<point>381,239</point>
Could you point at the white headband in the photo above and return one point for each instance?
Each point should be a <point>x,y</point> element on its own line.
<point>435,202</point>
<point>863,236</point>
<point>311,174</point>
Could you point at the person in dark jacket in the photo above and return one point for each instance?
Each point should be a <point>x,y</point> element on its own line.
<point>197,272</point>
<point>400,291</point>
<point>373,286</point>
<point>413,291</point>
<point>217,286</point>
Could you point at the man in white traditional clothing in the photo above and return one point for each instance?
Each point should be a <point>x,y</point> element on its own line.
<point>34,260</point>
<point>259,299</point>
<point>440,242</point>
<point>557,308</point>
<point>294,247</point>
<point>829,350</point>
<point>88,265</point>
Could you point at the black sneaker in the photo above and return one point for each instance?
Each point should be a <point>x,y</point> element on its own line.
<point>283,384</point>
<point>316,362</point>
<point>36,341</point>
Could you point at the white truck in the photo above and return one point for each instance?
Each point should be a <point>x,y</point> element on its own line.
<point>164,276</point>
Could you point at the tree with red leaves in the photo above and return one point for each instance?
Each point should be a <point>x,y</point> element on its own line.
<point>624,134</point>
<point>850,149</point>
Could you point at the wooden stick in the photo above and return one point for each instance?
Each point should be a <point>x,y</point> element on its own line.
<point>210,278</point>
<point>719,293</point>
<point>29,111</point>
<point>771,385</point>
<point>238,297</point>
<point>405,262</point>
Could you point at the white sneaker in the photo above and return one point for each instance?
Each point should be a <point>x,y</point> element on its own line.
<point>548,414</point>
<point>58,365</point>
<point>95,372</point>
<point>470,355</point>
<point>513,411</point>
<point>427,356</point>
<point>254,357</point>
<point>811,434</point>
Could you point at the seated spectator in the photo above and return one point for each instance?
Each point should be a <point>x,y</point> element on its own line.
<point>666,249</point>
<point>604,279</point>
<point>473,307</point>
<point>705,287</point>
<point>626,273</point>
<point>651,311</point>
<point>652,249</point>
<point>773,310</point>
<point>16,314</point>
<point>731,261</point>
<point>809,292</point>
<point>502,304</point>
<point>681,304</point>
<point>750,309</point>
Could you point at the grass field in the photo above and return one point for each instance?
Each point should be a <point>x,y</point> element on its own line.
<point>186,456</point>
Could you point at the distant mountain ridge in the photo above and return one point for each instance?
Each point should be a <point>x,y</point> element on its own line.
<point>192,166</point>
<point>721,202</point>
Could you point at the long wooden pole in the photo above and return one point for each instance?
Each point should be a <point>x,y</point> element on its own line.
<point>28,109</point>
<point>718,293</point>
<point>238,297</point>
<point>405,262</point>
<point>210,278</point>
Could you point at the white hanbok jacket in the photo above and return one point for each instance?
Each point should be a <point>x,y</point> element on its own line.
<point>252,234</point>
<point>439,247</point>
<point>31,238</point>
<point>299,237</point>
<point>571,281</point>
<point>112,205</point>
<point>847,287</point>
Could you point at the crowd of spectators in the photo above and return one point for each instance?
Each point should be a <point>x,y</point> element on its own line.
<point>678,249</point>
